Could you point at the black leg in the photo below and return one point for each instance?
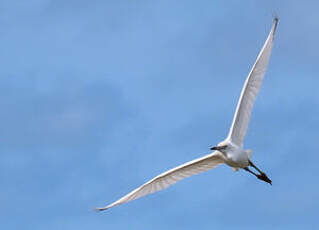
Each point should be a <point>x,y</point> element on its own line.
<point>262,175</point>
<point>252,164</point>
<point>248,170</point>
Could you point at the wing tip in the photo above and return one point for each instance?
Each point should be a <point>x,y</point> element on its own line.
<point>275,17</point>
<point>100,209</point>
<point>275,20</point>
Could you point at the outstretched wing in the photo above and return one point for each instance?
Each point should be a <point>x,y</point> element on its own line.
<point>170,177</point>
<point>250,90</point>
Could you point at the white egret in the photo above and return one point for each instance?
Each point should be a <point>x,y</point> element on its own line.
<point>230,151</point>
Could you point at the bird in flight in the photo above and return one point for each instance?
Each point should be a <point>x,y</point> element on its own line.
<point>230,151</point>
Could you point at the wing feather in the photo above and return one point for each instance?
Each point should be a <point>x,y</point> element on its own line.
<point>170,177</point>
<point>250,90</point>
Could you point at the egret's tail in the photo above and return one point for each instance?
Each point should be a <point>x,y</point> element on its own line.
<point>249,153</point>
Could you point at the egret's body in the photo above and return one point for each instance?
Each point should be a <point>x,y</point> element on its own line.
<point>235,156</point>
<point>230,151</point>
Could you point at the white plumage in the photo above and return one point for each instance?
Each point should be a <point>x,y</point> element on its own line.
<point>170,177</point>
<point>250,90</point>
<point>230,151</point>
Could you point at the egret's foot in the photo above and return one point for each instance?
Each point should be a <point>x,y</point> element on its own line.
<point>263,177</point>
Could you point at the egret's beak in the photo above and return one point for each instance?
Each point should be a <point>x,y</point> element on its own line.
<point>218,148</point>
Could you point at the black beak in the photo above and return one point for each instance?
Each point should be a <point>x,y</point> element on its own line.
<point>218,148</point>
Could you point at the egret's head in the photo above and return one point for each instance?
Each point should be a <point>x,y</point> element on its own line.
<point>220,147</point>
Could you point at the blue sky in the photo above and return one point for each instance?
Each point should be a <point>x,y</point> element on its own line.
<point>98,97</point>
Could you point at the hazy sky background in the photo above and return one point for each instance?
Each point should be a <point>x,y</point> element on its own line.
<point>97,97</point>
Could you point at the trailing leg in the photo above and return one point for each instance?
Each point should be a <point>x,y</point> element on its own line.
<point>262,176</point>
<point>255,167</point>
